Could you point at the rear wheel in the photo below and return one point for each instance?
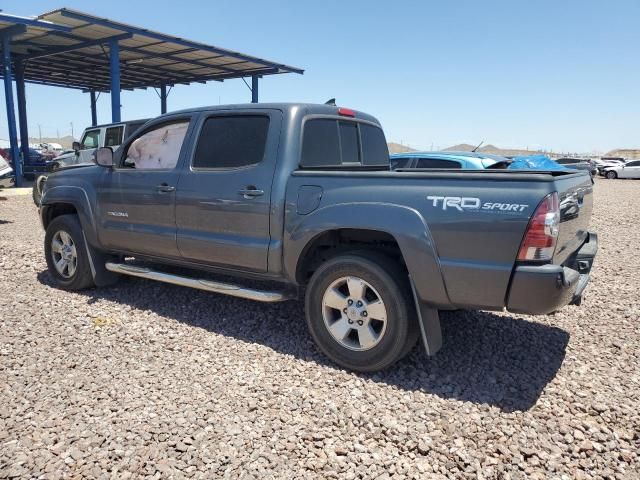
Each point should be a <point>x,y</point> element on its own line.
<point>611,175</point>
<point>66,254</point>
<point>360,312</point>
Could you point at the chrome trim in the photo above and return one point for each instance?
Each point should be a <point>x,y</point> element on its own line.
<point>207,285</point>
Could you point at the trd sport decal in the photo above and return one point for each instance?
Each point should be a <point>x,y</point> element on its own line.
<point>472,203</point>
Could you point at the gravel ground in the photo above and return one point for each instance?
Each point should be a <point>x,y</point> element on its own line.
<point>146,379</point>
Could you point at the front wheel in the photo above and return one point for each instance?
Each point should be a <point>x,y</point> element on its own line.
<point>360,312</point>
<point>611,175</point>
<point>66,254</point>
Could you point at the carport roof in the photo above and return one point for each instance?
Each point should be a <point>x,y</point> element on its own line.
<point>69,48</point>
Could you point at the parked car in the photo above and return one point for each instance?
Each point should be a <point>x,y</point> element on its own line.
<point>578,164</point>
<point>83,152</point>
<point>35,164</point>
<point>630,169</point>
<point>302,195</point>
<point>7,177</point>
<point>605,162</point>
<point>466,160</point>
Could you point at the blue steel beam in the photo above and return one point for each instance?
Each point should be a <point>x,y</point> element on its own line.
<point>22,109</point>
<point>254,89</point>
<point>94,110</point>
<point>163,98</point>
<point>11,115</point>
<point>114,57</point>
<point>32,22</point>
<point>77,46</point>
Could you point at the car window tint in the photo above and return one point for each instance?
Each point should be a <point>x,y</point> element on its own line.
<point>320,144</point>
<point>232,141</point>
<point>158,148</point>
<point>633,164</point>
<point>400,163</point>
<point>349,142</point>
<point>374,145</point>
<point>113,136</point>
<point>437,163</point>
<point>91,139</point>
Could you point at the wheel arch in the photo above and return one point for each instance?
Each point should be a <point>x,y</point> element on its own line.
<point>69,199</point>
<point>398,231</point>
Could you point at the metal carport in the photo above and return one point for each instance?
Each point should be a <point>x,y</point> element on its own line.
<point>73,49</point>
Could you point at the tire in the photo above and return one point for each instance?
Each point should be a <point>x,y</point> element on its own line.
<point>36,190</point>
<point>67,232</point>
<point>611,175</point>
<point>386,341</point>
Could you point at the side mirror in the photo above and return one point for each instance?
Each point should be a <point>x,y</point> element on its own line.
<point>76,146</point>
<point>104,157</point>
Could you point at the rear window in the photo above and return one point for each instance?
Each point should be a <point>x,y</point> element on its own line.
<point>331,142</point>
<point>437,163</point>
<point>232,141</point>
<point>113,136</point>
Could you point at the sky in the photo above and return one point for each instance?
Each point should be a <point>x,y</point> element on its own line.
<point>557,75</point>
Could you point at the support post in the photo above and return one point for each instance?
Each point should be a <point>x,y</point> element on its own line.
<point>114,56</point>
<point>22,110</point>
<point>254,88</point>
<point>94,110</point>
<point>163,98</point>
<point>11,114</point>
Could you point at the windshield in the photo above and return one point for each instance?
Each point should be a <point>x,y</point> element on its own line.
<point>91,139</point>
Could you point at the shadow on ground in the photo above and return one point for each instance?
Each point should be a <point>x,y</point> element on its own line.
<point>502,361</point>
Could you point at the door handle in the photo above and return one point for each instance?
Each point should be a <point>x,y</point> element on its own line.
<point>250,192</point>
<point>165,188</point>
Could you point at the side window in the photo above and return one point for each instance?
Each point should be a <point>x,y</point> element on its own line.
<point>158,148</point>
<point>437,163</point>
<point>374,145</point>
<point>113,136</point>
<point>232,141</point>
<point>91,139</point>
<point>633,164</point>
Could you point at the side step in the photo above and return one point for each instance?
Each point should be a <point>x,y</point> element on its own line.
<point>208,285</point>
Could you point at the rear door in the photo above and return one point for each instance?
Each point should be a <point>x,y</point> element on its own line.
<point>136,198</point>
<point>224,195</point>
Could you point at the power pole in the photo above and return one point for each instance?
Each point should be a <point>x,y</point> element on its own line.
<point>40,132</point>
<point>72,135</point>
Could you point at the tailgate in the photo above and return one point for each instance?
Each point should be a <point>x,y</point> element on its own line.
<point>576,203</point>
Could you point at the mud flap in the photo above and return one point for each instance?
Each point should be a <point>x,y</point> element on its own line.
<point>97,260</point>
<point>429,321</point>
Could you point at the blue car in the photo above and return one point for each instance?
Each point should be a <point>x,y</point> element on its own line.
<point>463,160</point>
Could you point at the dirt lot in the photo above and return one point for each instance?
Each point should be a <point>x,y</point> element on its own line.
<point>146,379</point>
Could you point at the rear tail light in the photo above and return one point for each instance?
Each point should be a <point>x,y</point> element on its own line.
<point>540,240</point>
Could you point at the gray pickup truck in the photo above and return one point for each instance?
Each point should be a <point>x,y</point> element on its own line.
<point>300,198</point>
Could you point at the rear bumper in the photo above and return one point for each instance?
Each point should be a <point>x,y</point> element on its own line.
<point>542,289</point>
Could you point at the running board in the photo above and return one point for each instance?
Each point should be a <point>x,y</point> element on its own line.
<point>208,285</point>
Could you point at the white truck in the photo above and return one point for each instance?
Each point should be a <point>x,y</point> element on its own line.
<point>107,135</point>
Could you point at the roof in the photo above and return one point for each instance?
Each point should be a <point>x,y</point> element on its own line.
<point>70,48</point>
<point>288,107</point>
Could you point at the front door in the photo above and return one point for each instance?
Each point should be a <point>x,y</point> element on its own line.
<point>630,170</point>
<point>224,196</point>
<point>90,142</point>
<point>137,197</point>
